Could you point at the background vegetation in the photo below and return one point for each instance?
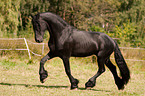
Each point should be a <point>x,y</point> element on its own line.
<point>122,19</point>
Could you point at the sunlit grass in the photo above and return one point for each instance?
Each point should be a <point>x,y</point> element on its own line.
<point>19,77</point>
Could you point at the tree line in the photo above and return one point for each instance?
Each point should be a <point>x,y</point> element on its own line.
<point>122,19</point>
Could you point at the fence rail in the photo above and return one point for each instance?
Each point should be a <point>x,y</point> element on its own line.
<point>132,60</point>
<point>30,51</point>
<point>26,44</point>
<point>131,48</point>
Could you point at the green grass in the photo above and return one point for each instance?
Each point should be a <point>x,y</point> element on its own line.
<point>19,77</point>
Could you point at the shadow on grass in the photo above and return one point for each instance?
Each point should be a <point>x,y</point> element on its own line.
<point>28,85</point>
<point>94,90</point>
<point>43,86</point>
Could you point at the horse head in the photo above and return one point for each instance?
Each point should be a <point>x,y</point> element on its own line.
<point>39,27</point>
<point>58,29</point>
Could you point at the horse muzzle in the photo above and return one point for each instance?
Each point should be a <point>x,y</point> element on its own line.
<point>39,40</point>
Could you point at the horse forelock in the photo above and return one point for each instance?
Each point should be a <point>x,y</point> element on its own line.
<point>36,23</point>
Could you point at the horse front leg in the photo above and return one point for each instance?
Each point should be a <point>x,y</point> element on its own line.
<point>74,82</point>
<point>42,72</point>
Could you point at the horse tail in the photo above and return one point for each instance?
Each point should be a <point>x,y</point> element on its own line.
<point>124,71</point>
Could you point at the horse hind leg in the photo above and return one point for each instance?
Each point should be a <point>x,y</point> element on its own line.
<point>92,81</point>
<point>112,68</point>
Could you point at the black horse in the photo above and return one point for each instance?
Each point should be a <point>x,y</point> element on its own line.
<point>66,41</point>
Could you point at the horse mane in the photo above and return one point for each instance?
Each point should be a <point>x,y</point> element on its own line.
<point>45,15</point>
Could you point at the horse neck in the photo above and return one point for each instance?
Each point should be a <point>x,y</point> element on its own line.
<point>57,29</point>
<point>55,24</point>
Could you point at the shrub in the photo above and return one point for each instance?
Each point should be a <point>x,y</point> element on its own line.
<point>127,34</point>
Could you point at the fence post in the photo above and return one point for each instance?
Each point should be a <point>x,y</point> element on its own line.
<point>27,48</point>
<point>43,49</point>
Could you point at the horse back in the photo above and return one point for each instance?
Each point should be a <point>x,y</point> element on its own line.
<point>89,43</point>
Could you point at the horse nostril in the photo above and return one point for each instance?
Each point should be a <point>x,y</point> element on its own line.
<point>38,40</point>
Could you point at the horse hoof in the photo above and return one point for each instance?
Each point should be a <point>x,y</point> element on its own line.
<point>121,88</point>
<point>43,77</point>
<point>74,89</point>
<point>90,84</point>
<point>42,81</point>
<point>74,85</point>
<point>88,88</point>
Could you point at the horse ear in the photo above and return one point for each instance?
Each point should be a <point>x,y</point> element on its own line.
<point>38,16</point>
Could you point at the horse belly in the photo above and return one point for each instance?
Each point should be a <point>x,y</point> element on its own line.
<point>83,44</point>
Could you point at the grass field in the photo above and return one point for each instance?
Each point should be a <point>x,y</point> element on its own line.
<point>19,77</point>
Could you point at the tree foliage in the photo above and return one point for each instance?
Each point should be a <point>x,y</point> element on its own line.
<point>9,17</point>
<point>118,18</point>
